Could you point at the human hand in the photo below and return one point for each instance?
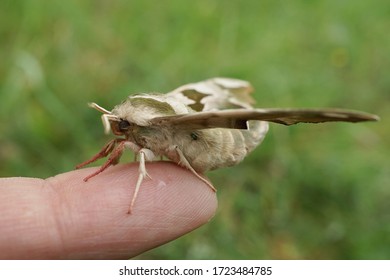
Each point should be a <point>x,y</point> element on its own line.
<point>64,217</point>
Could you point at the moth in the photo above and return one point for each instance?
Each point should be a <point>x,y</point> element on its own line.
<point>201,126</point>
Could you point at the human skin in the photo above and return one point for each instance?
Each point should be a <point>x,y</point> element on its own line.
<point>63,217</point>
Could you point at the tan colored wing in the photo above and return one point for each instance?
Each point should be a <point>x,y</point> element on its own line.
<point>237,118</point>
<point>215,93</point>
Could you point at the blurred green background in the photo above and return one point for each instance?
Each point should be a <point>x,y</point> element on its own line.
<point>308,192</point>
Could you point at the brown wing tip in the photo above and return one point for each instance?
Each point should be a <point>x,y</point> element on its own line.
<point>375,118</point>
<point>361,117</point>
<point>350,115</point>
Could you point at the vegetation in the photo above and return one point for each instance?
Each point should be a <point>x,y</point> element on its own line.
<point>308,192</point>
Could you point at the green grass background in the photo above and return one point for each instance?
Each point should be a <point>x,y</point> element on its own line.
<point>308,192</point>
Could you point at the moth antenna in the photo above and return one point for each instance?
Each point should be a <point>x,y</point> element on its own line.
<point>98,107</point>
<point>106,118</point>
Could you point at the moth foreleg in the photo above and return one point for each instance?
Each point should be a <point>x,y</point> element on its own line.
<point>105,151</point>
<point>185,163</point>
<point>144,155</point>
<point>113,159</point>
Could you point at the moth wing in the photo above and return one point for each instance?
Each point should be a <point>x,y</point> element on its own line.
<point>237,118</point>
<point>215,93</point>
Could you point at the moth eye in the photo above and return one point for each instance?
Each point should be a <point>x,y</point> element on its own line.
<point>123,125</point>
<point>194,136</point>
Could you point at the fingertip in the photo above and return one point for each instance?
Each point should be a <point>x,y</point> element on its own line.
<point>170,204</point>
<point>182,190</point>
<point>169,187</point>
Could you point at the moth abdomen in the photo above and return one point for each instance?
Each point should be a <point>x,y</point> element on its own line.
<point>209,149</point>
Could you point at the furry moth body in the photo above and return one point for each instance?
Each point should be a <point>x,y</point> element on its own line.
<point>201,126</point>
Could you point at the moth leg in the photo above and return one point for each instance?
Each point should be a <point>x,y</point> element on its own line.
<point>105,151</point>
<point>186,164</point>
<point>144,154</point>
<point>112,160</point>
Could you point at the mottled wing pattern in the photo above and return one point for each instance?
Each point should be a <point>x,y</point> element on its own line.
<point>215,94</point>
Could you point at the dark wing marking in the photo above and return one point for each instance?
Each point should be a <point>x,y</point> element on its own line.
<point>237,118</point>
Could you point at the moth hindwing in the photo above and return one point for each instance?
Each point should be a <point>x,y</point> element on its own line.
<point>201,126</point>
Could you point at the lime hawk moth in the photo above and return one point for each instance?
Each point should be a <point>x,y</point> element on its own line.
<point>201,126</point>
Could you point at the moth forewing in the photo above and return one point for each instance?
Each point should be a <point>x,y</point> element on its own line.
<point>192,127</point>
<point>215,94</point>
<point>237,118</point>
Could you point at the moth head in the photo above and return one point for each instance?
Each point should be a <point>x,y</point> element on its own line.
<point>117,125</point>
<point>120,126</point>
